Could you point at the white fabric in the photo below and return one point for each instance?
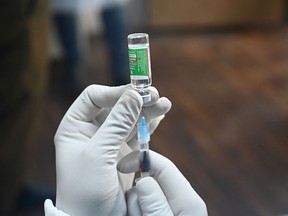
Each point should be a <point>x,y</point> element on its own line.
<point>90,139</point>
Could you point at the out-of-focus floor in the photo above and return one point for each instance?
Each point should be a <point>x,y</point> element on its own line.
<point>228,128</point>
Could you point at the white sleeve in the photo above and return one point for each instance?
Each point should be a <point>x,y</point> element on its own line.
<point>51,210</point>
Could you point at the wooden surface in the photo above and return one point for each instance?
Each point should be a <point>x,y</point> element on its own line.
<point>205,13</point>
<point>228,128</point>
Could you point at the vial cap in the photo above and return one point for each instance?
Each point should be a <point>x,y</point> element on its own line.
<point>138,38</point>
<point>146,97</point>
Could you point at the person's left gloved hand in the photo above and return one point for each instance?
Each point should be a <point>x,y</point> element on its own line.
<point>89,142</point>
<point>166,193</point>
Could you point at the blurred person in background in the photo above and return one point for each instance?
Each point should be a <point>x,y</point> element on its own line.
<point>113,17</point>
<point>23,66</point>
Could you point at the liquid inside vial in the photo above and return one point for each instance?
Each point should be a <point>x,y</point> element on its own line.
<point>139,61</point>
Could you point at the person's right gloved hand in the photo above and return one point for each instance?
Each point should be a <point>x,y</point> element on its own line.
<point>168,193</point>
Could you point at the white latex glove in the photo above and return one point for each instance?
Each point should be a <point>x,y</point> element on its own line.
<point>50,210</point>
<point>168,193</point>
<point>90,137</point>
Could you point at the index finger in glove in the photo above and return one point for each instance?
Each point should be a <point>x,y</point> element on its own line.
<point>155,106</point>
<point>92,99</point>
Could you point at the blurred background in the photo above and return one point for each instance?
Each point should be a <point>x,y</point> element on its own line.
<point>222,63</point>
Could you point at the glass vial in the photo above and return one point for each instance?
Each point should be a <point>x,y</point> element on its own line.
<point>140,63</point>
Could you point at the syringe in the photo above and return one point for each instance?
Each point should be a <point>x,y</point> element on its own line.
<point>143,139</point>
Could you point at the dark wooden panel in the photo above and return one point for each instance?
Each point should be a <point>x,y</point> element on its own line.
<point>227,130</point>
<point>201,13</point>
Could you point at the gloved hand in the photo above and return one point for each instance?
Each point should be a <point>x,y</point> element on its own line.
<point>168,193</point>
<point>91,137</point>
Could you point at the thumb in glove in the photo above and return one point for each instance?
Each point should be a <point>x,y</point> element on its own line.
<point>167,193</point>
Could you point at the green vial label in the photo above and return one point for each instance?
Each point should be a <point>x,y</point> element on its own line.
<point>138,61</point>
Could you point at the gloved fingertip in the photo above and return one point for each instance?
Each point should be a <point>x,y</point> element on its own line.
<point>165,103</point>
<point>129,163</point>
<point>147,185</point>
<point>154,96</point>
<point>154,93</point>
<point>153,89</point>
<point>134,95</point>
<point>161,107</point>
<point>151,198</point>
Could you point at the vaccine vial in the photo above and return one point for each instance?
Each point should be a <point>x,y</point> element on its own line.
<point>140,63</point>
